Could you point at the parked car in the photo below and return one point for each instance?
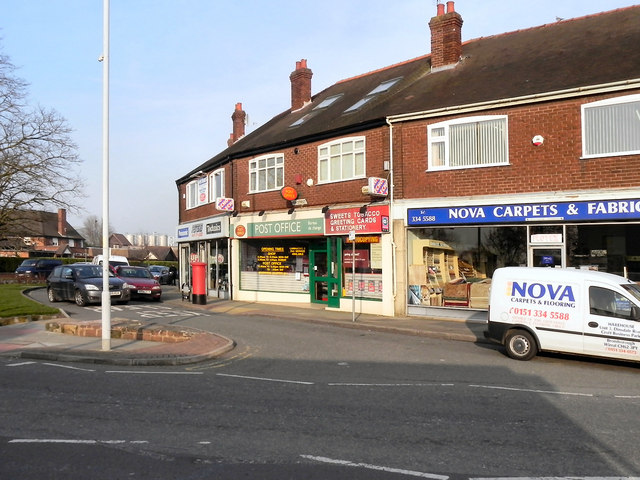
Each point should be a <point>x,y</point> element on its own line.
<point>114,260</point>
<point>40,268</point>
<point>160,273</point>
<point>82,283</point>
<point>141,281</point>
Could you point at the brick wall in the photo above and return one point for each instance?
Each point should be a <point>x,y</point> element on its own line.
<point>555,165</point>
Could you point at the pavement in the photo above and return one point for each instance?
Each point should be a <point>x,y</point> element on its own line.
<point>136,343</point>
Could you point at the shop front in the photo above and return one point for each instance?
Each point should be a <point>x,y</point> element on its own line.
<point>206,241</point>
<point>452,252</point>
<point>308,258</point>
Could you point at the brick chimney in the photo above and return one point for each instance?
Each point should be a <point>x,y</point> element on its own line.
<point>239,118</point>
<point>446,37</point>
<point>300,85</point>
<point>62,222</point>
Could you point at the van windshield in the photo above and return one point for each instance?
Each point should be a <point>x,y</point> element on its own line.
<point>633,289</point>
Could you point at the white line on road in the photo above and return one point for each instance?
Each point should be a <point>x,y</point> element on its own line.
<point>401,471</point>
<point>144,372</point>
<point>264,379</point>
<point>72,441</point>
<point>532,391</point>
<point>69,367</point>
<point>554,478</point>
<point>21,364</point>
<point>390,384</point>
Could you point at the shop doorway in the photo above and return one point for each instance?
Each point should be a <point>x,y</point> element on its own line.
<point>546,257</point>
<point>324,272</point>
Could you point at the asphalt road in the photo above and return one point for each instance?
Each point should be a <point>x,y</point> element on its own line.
<point>299,400</point>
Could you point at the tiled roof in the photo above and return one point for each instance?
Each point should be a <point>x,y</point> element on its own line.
<point>570,54</point>
<point>45,224</point>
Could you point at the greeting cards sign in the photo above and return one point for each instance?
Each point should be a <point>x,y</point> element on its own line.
<point>373,219</point>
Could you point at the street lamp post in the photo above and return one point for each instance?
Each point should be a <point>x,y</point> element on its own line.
<point>106,297</point>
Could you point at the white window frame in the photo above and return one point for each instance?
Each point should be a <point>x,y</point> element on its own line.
<point>214,194</point>
<point>439,143</point>
<point>630,129</point>
<point>260,169</point>
<point>196,192</point>
<point>332,155</point>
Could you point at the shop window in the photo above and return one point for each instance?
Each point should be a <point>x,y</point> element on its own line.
<point>216,185</point>
<point>266,173</point>
<point>452,267</point>
<point>274,265</point>
<point>468,143</point>
<point>611,127</point>
<point>367,276</point>
<point>341,160</point>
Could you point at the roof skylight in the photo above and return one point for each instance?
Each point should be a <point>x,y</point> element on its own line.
<point>383,87</point>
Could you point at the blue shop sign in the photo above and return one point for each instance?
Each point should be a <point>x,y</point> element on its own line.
<point>526,212</point>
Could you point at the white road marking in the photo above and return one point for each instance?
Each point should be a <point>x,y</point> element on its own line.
<point>401,471</point>
<point>390,384</point>
<point>72,441</point>
<point>264,379</point>
<point>554,478</point>
<point>532,390</point>
<point>21,364</point>
<point>144,372</point>
<point>69,367</point>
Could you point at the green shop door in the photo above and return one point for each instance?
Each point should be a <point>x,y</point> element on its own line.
<point>324,271</point>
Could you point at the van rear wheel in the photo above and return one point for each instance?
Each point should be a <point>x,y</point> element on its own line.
<point>520,345</point>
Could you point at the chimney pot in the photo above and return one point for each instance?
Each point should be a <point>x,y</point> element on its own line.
<point>300,85</point>
<point>440,9</point>
<point>446,37</point>
<point>238,117</point>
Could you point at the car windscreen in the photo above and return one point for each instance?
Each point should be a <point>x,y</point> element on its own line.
<point>633,289</point>
<point>89,271</point>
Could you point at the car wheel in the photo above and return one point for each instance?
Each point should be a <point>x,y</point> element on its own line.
<point>52,296</point>
<point>81,301</point>
<point>520,345</point>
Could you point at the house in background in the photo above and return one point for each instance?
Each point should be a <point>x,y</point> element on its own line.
<point>44,234</point>
<point>406,187</point>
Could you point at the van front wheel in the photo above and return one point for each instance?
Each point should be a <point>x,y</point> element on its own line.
<point>520,345</point>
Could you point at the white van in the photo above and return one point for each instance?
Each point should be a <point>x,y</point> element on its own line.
<point>564,310</point>
<point>114,260</point>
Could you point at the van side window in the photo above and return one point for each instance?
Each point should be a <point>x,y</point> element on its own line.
<point>605,302</point>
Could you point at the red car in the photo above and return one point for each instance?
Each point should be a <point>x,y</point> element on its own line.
<point>141,281</point>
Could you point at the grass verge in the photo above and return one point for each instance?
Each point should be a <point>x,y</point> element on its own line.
<point>15,304</point>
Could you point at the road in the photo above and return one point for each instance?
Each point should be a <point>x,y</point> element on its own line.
<point>300,400</point>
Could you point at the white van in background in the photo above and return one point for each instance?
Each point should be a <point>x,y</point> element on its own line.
<point>584,312</point>
<point>114,260</point>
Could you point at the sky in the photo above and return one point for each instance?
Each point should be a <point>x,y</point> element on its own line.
<point>178,67</point>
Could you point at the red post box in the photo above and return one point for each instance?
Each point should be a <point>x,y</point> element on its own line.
<point>199,283</point>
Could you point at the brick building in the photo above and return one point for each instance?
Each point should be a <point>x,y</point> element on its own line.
<point>521,148</point>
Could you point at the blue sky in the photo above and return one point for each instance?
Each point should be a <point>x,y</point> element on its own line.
<point>178,67</point>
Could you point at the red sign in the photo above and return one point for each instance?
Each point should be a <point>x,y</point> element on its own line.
<point>375,219</point>
<point>289,193</point>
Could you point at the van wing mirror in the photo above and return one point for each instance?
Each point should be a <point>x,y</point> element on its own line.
<point>635,312</point>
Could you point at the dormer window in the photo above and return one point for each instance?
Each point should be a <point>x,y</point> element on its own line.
<point>383,87</point>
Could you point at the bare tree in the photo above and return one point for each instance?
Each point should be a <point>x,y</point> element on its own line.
<point>38,159</point>
<point>92,230</point>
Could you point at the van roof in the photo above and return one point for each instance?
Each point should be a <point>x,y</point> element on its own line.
<point>562,274</point>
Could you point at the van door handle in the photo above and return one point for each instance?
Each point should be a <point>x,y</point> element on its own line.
<point>593,324</point>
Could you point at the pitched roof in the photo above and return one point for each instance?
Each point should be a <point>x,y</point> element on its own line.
<point>36,223</point>
<point>570,54</point>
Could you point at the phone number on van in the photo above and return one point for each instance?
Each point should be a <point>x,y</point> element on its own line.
<point>538,313</point>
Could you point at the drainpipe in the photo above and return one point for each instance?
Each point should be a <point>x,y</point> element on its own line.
<point>391,229</point>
